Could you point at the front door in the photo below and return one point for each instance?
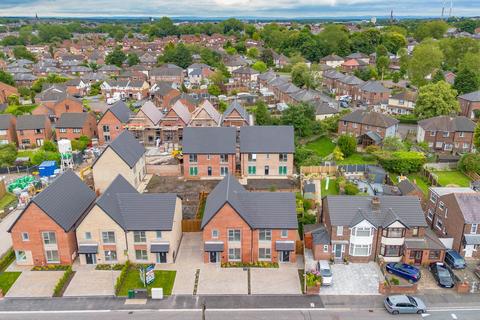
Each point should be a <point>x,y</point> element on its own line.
<point>469,248</point>
<point>284,256</point>
<point>90,258</point>
<point>161,257</point>
<point>417,257</point>
<point>214,257</point>
<point>338,251</point>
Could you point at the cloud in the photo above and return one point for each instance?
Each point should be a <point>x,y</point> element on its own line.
<point>224,8</point>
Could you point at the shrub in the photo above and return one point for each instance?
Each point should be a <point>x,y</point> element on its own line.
<point>372,149</point>
<point>470,163</point>
<point>256,264</point>
<point>394,281</point>
<point>347,144</point>
<point>313,279</point>
<point>122,276</point>
<point>7,259</point>
<point>51,267</point>
<point>351,189</point>
<point>57,292</point>
<point>402,162</point>
<point>117,266</point>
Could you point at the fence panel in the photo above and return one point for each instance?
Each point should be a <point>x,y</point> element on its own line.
<point>191,225</point>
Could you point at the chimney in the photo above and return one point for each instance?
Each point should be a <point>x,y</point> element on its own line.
<point>375,203</point>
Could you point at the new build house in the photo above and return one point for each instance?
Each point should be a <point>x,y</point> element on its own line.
<point>74,125</point>
<point>125,156</point>
<point>126,225</point>
<point>112,122</point>
<point>44,233</point>
<point>243,226</point>
<point>33,130</point>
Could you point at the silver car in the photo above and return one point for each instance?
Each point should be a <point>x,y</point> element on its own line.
<point>404,304</point>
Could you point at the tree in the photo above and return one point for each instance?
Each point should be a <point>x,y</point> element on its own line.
<point>302,76</point>
<point>402,162</point>
<point>217,78</point>
<point>470,162</point>
<point>338,154</point>
<point>301,117</point>
<point>392,144</point>
<point>347,144</point>
<point>133,59</point>
<point>116,57</point>
<point>260,66</point>
<point>394,41</point>
<point>262,115</point>
<point>8,154</point>
<point>431,29</point>
<point>252,53</point>
<point>426,58</point>
<point>21,52</point>
<point>267,57</point>
<point>476,136</point>
<point>466,81</point>
<point>179,55</point>
<point>81,143</point>
<point>6,78</point>
<point>404,59</point>
<point>214,90</point>
<point>383,63</point>
<point>438,76</point>
<point>436,99</point>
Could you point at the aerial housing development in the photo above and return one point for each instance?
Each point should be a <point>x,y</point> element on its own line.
<point>273,167</point>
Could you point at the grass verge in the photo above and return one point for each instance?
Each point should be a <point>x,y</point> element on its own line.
<point>163,279</point>
<point>7,279</point>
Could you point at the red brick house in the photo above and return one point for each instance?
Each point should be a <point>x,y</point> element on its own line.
<point>167,72</point>
<point>55,109</point>
<point>112,122</point>
<point>7,129</point>
<point>242,226</point>
<point>469,103</point>
<point>447,134</point>
<point>208,152</point>
<point>44,232</point>
<point>373,93</point>
<point>33,130</point>
<point>74,125</point>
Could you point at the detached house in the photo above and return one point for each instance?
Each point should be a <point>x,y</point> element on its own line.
<point>126,225</point>
<point>447,134</point>
<point>125,156</point>
<point>390,227</point>
<point>267,151</point>
<point>242,226</point>
<point>7,129</point>
<point>208,153</point>
<point>33,130</point>
<point>112,122</point>
<point>44,232</point>
<point>74,125</point>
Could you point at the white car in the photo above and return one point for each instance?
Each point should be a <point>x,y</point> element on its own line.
<point>326,272</point>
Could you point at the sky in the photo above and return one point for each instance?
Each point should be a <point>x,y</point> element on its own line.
<point>234,8</point>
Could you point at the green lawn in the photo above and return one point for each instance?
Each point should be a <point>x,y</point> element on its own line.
<point>332,187</point>
<point>421,182</point>
<point>358,158</point>
<point>323,146</point>
<point>7,279</point>
<point>163,279</point>
<point>446,178</point>
<point>6,200</point>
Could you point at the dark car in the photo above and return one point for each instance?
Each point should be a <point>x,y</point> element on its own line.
<point>443,274</point>
<point>454,260</point>
<point>406,271</point>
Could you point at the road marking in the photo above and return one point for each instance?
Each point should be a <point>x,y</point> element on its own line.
<point>454,316</point>
<point>424,315</point>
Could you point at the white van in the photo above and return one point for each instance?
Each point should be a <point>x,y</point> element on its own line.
<point>326,272</point>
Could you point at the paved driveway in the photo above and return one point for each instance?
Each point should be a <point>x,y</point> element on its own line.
<point>35,284</point>
<point>92,283</point>
<point>217,280</point>
<point>354,279</point>
<point>284,280</point>
<point>5,224</point>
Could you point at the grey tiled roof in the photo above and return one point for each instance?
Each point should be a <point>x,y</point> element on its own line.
<point>5,121</point>
<point>370,118</point>
<point>373,86</point>
<point>65,200</point>
<point>127,148</point>
<point>469,204</point>
<point>209,140</point>
<point>72,120</point>
<point>406,186</point>
<point>235,105</point>
<point>152,112</point>
<point>121,111</point>
<point>273,210</point>
<point>447,123</point>
<point>350,210</point>
<point>472,96</point>
<point>267,139</point>
<point>31,122</point>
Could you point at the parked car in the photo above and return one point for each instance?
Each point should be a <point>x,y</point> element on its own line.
<point>404,304</point>
<point>326,272</point>
<point>406,271</point>
<point>454,260</point>
<point>443,274</point>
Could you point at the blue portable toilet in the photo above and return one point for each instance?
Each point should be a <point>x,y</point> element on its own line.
<point>47,168</point>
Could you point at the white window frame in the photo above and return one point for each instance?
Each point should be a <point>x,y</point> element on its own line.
<point>51,260</point>
<point>355,231</point>
<point>265,235</point>
<point>284,233</point>
<point>142,258</point>
<point>108,236</point>
<point>108,257</point>
<point>49,240</point>
<point>232,233</point>
<point>438,225</point>
<point>339,231</point>
<point>473,228</point>
<point>267,256</point>
<point>139,237</point>
<point>215,233</point>
<point>430,214</point>
<point>232,254</point>
<point>441,205</point>
<point>87,235</point>
<point>325,248</point>
<point>19,257</point>
<point>25,236</point>
<point>353,248</point>
<point>158,234</point>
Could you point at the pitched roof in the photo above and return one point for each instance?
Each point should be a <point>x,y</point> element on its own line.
<point>209,109</point>
<point>152,112</point>
<point>322,107</point>
<point>370,118</point>
<point>472,96</point>
<point>209,140</point>
<point>332,57</point>
<point>135,211</point>
<point>31,122</point>
<point>350,210</point>
<point>374,86</point>
<point>468,204</point>
<point>5,121</point>
<point>65,200</point>
<point>236,106</point>
<point>267,139</point>
<point>127,148</point>
<point>406,186</point>
<point>182,111</point>
<point>275,210</point>
<point>72,120</point>
<point>447,123</point>
<point>121,111</point>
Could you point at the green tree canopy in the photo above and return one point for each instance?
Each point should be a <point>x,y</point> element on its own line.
<point>466,81</point>
<point>262,115</point>
<point>260,66</point>
<point>6,78</point>
<point>431,29</point>
<point>426,58</point>
<point>347,144</point>
<point>436,99</point>
<point>301,117</point>
<point>116,57</point>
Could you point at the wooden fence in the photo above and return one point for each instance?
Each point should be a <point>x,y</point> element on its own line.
<point>299,247</point>
<point>328,170</point>
<point>191,225</point>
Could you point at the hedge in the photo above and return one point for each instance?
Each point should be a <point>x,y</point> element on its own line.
<point>7,259</point>
<point>403,162</point>
<point>407,119</point>
<point>122,276</point>
<point>258,264</point>
<point>57,292</point>
<point>117,266</point>
<point>51,267</point>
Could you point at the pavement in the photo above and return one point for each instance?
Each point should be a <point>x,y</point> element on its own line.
<point>5,224</point>
<point>353,279</point>
<point>92,283</point>
<point>284,280</point>
<point>38,284</point>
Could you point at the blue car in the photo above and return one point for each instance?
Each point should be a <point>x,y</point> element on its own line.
<point>406,271</point>
<point>454,260</point>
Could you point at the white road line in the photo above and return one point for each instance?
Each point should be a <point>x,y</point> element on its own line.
<point>454,316</point>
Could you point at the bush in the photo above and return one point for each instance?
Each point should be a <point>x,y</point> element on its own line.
<point>351,189</point>
<point>470,163</point>
<point>122,276</point>
<point>407,118</point>
<point>257,264</point>
<point>51,267</point>
<point>57,292</point>
<point>372,149</point>
<point>117,266</point>
<point>347,144</point>
<point>403,162</point>
<point>313,279</point>
<point>394,281</point>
